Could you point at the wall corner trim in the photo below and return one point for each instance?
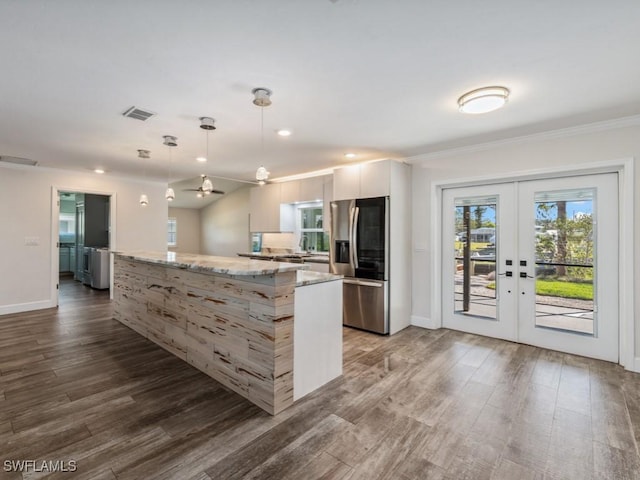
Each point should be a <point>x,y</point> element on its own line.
<point>424,322</point>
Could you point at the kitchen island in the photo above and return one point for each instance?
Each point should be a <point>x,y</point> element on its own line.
<point>235,319</point>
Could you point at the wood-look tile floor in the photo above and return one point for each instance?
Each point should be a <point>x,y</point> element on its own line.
<point>77,385</point>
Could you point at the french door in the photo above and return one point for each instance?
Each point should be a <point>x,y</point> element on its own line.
<point>534,262</point>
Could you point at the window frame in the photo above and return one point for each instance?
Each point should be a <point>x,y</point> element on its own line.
<point>172,221</point>
<point>301,231</point>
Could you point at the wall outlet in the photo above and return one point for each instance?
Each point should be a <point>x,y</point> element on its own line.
<point>32,241</point>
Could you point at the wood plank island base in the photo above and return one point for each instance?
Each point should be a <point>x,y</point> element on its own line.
<point>231,318</point>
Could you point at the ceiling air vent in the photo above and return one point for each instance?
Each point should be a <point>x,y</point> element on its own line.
<point>138,113</point>
<point>18,160</point>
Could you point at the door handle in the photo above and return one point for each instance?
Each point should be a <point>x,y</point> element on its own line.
<point>508,273</point>
<point>524,275</point>
<point>363,284</point>
<point>356,215</point>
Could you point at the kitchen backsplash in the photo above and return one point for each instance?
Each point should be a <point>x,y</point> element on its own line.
<point>279,242</point>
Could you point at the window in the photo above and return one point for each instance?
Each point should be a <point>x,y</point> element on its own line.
<point>172,232</point>
<point>310,228</point>
<point>67,223</point>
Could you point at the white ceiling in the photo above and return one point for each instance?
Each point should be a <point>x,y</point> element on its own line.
<point>380,78</point>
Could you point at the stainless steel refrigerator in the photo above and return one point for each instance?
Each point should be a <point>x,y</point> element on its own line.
<point>359,250</point>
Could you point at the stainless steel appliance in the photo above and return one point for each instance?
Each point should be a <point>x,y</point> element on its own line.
<point>86,265</point>
<point>99,266</point>
<point>359,250</point>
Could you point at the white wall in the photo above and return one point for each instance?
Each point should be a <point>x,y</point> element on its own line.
<point>581,147</point>
<point>188,229</point>
<point>225,225</point>
<point>25,211</point>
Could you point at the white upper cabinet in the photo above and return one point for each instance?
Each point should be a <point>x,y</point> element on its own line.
<point>271,206</point>
<point>363,181</point>
<point>375,179</point>
<point>311,189</point>
<point>290,191</point>
<point>346,182</point>
<point>264,207</point>
<point>326,204</point>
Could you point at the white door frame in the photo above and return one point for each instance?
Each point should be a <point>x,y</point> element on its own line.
<point>55,216</point>
<point>625,169</point>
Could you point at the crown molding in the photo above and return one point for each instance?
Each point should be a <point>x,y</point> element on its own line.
<point>630,121</point>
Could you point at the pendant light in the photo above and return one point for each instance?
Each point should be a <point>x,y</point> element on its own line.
<point>207,124</point>
<point>207,186</point>
<point>262,98</point>
<point>144,154</point>
<point>170,141</point>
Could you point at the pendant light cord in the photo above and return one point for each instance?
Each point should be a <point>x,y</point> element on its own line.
<point>262,133</point>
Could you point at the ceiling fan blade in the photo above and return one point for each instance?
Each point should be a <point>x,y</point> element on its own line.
<point>192,190</point>
<point>219,192</point>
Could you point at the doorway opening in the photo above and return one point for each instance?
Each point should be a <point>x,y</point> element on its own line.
<point>84,239</point>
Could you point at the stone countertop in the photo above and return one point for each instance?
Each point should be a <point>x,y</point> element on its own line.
<point>211,264</point>
<point>305,277</point>
<point>304,257</point>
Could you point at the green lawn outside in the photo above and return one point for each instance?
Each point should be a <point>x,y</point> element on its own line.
<point>559,288</point>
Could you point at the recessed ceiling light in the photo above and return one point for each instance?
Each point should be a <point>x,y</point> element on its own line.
<point>483,100</point>
<point>350,155</point>
<point>99,170</point>
<point>201,159</point>
<point>284,133</point>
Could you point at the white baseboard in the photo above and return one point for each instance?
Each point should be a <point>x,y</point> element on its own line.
<point>635,367</point>
<point>26,307</point>
<point>424,322</point>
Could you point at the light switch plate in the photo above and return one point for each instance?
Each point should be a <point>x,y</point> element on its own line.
<point>32,241</point>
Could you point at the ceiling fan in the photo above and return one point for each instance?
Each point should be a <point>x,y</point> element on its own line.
<point>205,189</point>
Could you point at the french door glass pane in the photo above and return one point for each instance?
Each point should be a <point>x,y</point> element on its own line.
<point>474,248</point>
<point>565,251</point>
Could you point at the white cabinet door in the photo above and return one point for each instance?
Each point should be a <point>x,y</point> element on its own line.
<point>311,189</point>
<point>264,206</point>
<point>326,206</point>
<point>63,266</point>
<point>346,182</point>
<point>375,179</point>
<point>290,191</point>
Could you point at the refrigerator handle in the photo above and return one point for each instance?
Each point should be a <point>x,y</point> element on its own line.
<point>354,238</point>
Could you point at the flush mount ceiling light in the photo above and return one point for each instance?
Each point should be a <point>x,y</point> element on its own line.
<point>350,155</point>
<point>262,99</point>
<point>170,141</point>
<point>99,171</point>
<point>483,100</point>
<point>284,133</point>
